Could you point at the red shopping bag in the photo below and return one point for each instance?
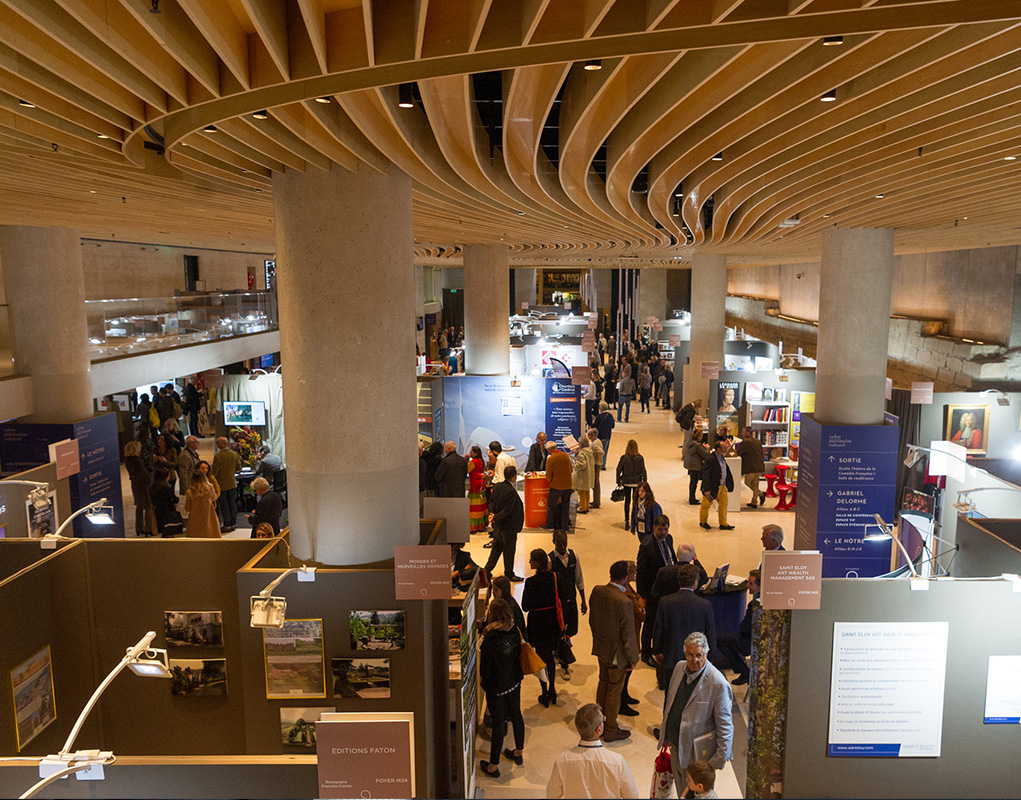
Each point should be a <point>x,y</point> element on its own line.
<point>662,776</point>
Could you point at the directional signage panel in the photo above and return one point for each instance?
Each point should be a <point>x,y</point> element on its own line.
<point>847,473</point>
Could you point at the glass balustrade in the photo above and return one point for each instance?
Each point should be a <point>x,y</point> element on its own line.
<point>130,326</point>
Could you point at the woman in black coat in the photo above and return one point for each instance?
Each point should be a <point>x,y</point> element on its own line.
<point>539,599</point>
<point>630,474</point>
<point>141,485</point>
<point>501,676</point>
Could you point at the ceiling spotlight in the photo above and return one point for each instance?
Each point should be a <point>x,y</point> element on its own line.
<point>832,41</point>
<point>405,96</point>
<point>718,157</point>
<point>880,196</point>
<point>323,100</point>
<point>209,129</point>
<point>593,64</point>
<point>260,115</point>
<point>830,96</point>
<point>1005,158</point>
<point>102,136</point>
<point>826,215</point>
<point>26,104</point>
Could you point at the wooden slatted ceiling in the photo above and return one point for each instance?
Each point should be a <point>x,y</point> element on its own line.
<point>927,113</point>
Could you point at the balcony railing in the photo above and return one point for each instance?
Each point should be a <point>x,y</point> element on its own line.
<point>131,326</point>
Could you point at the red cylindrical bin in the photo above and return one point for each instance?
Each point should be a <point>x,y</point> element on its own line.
<point>536,494</point>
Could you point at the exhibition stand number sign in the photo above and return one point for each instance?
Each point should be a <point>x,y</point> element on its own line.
<point>366,755</point>
<point>886,689</point>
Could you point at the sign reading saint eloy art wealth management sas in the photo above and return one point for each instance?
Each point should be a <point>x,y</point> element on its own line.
<point>366,755</point>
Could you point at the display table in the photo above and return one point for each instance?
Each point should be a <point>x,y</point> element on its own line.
<point>536,496</point>
<point>728,607</point>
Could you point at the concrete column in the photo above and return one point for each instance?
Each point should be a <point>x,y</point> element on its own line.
<point>486,290</point>
<point>854,325</point>
<point>604,289</point>
<point>708,316</point>
<point>45,288</point>
<point>347,305</point>
<point>652,295</point>
<point>524,288</point>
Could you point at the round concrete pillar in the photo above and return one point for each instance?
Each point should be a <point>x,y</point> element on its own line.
<point>854,325</point>
<point>45,288</point>
<point>708,322</point>
<point>346,288</point>
<point>486,297</point>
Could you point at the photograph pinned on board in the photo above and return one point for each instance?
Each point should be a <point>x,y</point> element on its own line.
<point>34,706</point>
<point>294,659</point>
<point>365,678</point>
<point>968,426</point>
<point>198,677</point>
<point>298,724</point>
<point>377,630</point>
<point>193,628</point>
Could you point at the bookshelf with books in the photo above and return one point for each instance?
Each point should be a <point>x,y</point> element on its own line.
<point>769,421</point>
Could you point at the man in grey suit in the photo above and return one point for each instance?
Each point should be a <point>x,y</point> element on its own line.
<point>697,713</point>
<point>614,643</point>
<point>679,614</point>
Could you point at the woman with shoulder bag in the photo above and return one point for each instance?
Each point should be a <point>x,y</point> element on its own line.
<point>630,474</point>
<point>501,675</point>
<point>539,599</point>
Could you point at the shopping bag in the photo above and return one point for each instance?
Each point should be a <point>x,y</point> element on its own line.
<point>531,663</point>
<point>662,776</point>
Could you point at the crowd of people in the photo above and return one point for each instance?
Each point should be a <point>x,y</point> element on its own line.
<point>651,610</point>
<point>164,468</point>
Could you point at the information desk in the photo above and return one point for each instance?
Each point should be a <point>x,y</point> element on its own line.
<point>728,607</point>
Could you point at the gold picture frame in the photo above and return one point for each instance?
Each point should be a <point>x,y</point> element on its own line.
<point>968,425</point>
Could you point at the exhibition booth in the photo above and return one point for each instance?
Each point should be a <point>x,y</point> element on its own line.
<point>238,703</point>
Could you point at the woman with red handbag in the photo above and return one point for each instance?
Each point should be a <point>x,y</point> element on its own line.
<point>545,622</point>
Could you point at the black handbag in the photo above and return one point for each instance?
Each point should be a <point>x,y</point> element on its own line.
<point>617,495</point>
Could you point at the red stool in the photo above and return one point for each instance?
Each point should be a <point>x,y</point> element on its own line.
<point>794,496</point>
<point>770,480</point>
<point>782,489</point>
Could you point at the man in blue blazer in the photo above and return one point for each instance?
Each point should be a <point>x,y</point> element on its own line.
<point>656,552</point>
<point>679,615</point>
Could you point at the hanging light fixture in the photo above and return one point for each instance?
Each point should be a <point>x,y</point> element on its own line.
<point>209,129</point>
<point>718,157</point>
<point>593,64</point>
<point>830,96</point>
<point>260,115</point>
<point>832,41</point>
<point>405,96</point>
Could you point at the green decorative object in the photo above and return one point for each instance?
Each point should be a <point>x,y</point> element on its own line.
<point>767,705</point>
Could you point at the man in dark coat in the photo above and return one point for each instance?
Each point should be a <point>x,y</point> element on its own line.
<point>679,614</point>
<point>192,404</point>
<point>537,454</point>
<point>717,483</point>
<point>686,416</point>
<point>451,473</point>
<point>753,464</point>
<point>733,648</point>
<point>268,509</point>
<point>507,516</point>
<point>657,552</point>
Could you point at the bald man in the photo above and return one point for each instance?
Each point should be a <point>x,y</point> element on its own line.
<point>451,473</point>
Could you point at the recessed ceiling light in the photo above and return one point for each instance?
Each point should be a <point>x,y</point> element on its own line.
<point>718,157</point>
<point>826,215</point>
<point>405,96</point>
<point>832,41</point>
<point>323,100</point>
<point>880,196</point>
<point>593,64</point>
<point>1010,158</point>
<point>92,191</point>
<point>260,115</point>
<point>26,104</point>
<point>209,129</point>
<point>830,96</point>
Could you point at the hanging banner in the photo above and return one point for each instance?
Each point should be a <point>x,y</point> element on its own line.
<point>581,376</point>
<point>711,370</point>
<point>791,580</point>
<point>422,572</point>
<point>921,393</point>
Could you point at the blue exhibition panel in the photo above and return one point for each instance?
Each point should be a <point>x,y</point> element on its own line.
<point>846,475</point>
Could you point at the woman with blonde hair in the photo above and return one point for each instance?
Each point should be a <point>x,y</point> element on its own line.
<point>141,486</point>
<point>200,506</point>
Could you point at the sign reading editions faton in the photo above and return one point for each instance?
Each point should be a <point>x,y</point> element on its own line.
<point>366,755</point>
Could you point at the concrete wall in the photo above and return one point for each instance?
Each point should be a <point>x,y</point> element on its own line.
<point>971,289</point>
<point>652,296</point>
<point>118,269</point>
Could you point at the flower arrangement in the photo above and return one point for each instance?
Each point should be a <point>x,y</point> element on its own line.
<point>245,442</point>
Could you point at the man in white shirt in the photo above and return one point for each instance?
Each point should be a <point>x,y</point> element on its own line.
<point>590,770</point>
<point>503,460</point>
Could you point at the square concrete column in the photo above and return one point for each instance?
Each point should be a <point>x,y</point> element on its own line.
<point>486,296</point>
<point>45,288</point>
<point>708,321</point>
<point>855,288</point>
<point>652,295</point>
<point>347,339</point>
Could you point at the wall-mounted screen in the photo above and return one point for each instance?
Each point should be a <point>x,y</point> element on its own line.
<point>246,413</point>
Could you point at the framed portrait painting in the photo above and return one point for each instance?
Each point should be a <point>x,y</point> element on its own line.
<point>968,426</point>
